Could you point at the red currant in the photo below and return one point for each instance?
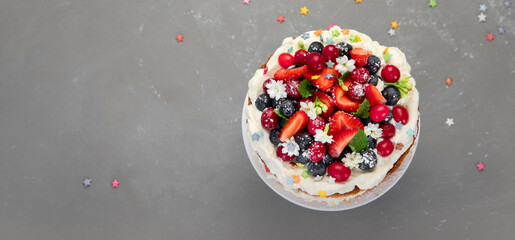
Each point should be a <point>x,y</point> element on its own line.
<point>283,156</point>
<point>315,62</point>
<point>338,171</point>
<point>360,75</point>
<point>265,83</point>
<point>356,91</point>
<point>385,148</point>
<point>330,53</point>
<point>286,60</point>
<point>388,130</point>
<point>316,151</point>
<point>300,57</point>
<point>400,114</point>
<point>314,124</point>
<point>269,119</point>
<point>292,89</point>
<point>379,112</point>
<point>390,74</point>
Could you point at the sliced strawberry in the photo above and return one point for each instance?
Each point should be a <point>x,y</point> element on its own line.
<point>341,121</point>
<point>290,74</point>
<point>340,141</point>
<point>324,80</point>
<point>359,55</point>
<point>373,95</point>
<point>342,102</point>
<point>296,123</point>
<point>325,99</point>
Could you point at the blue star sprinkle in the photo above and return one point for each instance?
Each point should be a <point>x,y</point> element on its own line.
<point>290,50</point>
<point>330,64</point>
<point>321,38</point>
<point>87,182</point>
<point>501,30</point>
<point>328,76</point>
<point>482,7</point>
<point>305,35</point>
<point>257,135</point>
<point>410,132</point>
<point>507,3</point>
<point>289,180</point>
<point>398,125</point>
<point>329,40</point>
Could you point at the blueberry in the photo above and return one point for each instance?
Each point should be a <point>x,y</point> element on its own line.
<point>365,121</point>
<point>392,95</point>
<point>282,122</point>
<point>344,49</point>
<point>372,142</point>
<point>276,103</point>
<point>369,160</point>
<point>263,101</point>
<point>316,168</point>
<point>316,47</point>
<point>373,64</point>
<point>374,79</point>
<point>327,160</point>
<point>388,118</point>
<point>346,150</point>
<point>288,107</point>
<point>274,136</point>
<point>303,157</point>
<point>303,139</point>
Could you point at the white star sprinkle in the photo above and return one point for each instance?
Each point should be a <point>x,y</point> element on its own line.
<point>86,182</point>
<point>330,179</point>
<point>449,122</point>
<point>391,32</point>
<point>481,17</point>
<point>318,178</point>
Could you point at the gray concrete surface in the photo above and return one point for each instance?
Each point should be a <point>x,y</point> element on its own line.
<point>100,89</point>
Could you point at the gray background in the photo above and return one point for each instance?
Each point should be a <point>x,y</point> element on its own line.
<point>101,89</point>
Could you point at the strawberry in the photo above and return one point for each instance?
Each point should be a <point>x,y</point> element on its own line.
<point>290,74</point>
<point>327,101</point>
<point>324,80</point>
<point>359,55</point>
<point>341,121</point>
<point>342,102</point>
<point>373,95</point>
<point>340,141</point>
<point>295,124</point>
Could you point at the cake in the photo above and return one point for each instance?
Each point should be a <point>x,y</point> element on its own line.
<point>332,113</point>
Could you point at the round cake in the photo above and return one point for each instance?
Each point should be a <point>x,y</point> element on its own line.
<point>331,113</point>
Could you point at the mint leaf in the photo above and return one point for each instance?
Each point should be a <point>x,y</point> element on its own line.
<point>306,88</point>
<point>363,110</point>
<point>276,111</point>
<point>359,142</point>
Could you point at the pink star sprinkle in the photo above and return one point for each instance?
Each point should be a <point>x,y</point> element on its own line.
<point>490,37</point>
<point>480,166</point>
<point>115,183</point>
<point>330,26</point>
<point>280,19</point>
<point>246,2</point>
<point>179,38</point>
<point>265,71</point>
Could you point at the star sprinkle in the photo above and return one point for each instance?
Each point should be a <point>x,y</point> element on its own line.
<point>398,125</point>
<point>87,182</point>
<point>394,24</point>
<point>448,81</point>
<point>304,10</point>
<point>432,3</point>
<point>345,31</point>
<point>321,38</point>
<point>318,178</point>
<point>449,122</point>
<point>329,64</point>
<point>289,180</point>
<point>410,132</point>
<point>335,33</point>
<point>480,166</point>
<point>353,38</point>
<point>482,7</point>
<point>387,57</point>
<point>257,135</point>
<point>179,38</point>
<point>501,30</point>
<point>296,179</point>
<point>318,32</point>
<point>280,19</point>
<point>358,1</point>
<point>305,174</point>
<point>507,4</point>
<point>299,164</point>
<point>329,40</point>
<point>322,193</point>
<point>305,35</point>
<point>330,179</point>
<point>490,37</point>
<point>329,26</point>
<point>481,17</point>
<point>329,75</point>
<point>265,70</point>
<point>392,32</point>
<point>290,50</point>
<point>246,2</point>
<point>115,183</point>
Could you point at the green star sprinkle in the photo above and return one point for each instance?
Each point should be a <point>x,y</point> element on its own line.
<point>353,38</point>
<point>387,57</point>
<point>336,33</point>
<point>305,174</point>
<point>432,3</point>
<point>300,164</point>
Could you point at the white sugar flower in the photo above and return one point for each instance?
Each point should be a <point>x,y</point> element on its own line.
<point>344,64</point>
<point>321,136</point>
<point>352,160</point>
<point>373,130</point>
<point>290,147</point>
<point>309,108</point>
<point>276,89</point>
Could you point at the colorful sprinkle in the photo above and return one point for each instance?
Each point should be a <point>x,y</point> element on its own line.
<point>265,70</point>
<point>330,179</point>
<point>481,17</point>
<point>410,132</point>
<point>345,31</point>
<point>289,180</point>
<point>321,38</point>
<point>300,164</point>
<point>329,26</point>
<point>280,19</point>
<point>482,7</point>
<point>501,30</point>
<point>318,178</point>
<point>394,24</point>
<point>257,135</point>
<point>315,77</point>
<point>329,75</point>
<point>305,35</point>
<point>490,37</point>
<point>87,182</point>
<point>329,64</point>
<point>399,125</point>
<point>329,40</point>
<point>449,122</point>
<point>432,3</point>
<point>305,174</point>
<point>322,193</point>
<point>507,4</point>
<point>353,38</point>
<point>335,33</point>
<point>246,2</point>
<point>358,1</point>
<point>392,32</point>
<point>179,38</point>
<point>480,166</point>
<point>290,50</point>
<point>387,56</point>
<point>318,32</point>
<point>296,179</point>
<point>448,81</point>
<point>115,183</point>
<point>304,10</point>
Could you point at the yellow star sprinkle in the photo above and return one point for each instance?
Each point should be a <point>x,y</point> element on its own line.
<point>358,1</point>
<point>315,77</point>
<point>322,193</point>
<point>296,179</point>
<point>318,32</point>
<point>304,10</point>
<point>394,24</point>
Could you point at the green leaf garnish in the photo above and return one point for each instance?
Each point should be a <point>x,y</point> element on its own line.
<point>306,88</point>
<point>300,43</point>
<point>403,85</point>
<point>276,111</point>
<point>363,110</point>
<point>320,106</point>
<point>359,142</point>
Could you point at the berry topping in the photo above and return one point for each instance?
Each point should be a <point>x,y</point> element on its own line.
<point>365,121</point>
<point>268,81</point>
<point>303,139</point>
<point>388,130</point>
<point>327,160</point>
<point>269,119</point>
<point>360,75</point>
<point>373,64</point>
<point>373,95</point>
<point>341,121</point>
<point>356,91</point>
<point>290,74</point>
<point>263,101</point>
<point>400,114</point>
<point>300,57</point>
<point>338,171</point>
<point>284,156</point>
<point>314,124</point>
<point>277,103</point>
<point>303,157</point>
<point>323,80</point>
<point>316,47</point>
<point>316,168</point>
<point>388,118</point>
<point>340,141</point>
<point>315,62</point>
<point>327,101</point>
<point>343,102</point>
<point>392,95</point>
<point>372,142</point>
<point>344,49</point>
<point>374,79</point>
<point>385,148</point>
<point>292,89</point>
<point>316,151</point>
<point>390,73</point>
<point>369,160</point>
<point>330,53</point>
<point>379,113</point>
<point>274,136</point>
<point>288,107</point>
<point>295,124</point>
<point>286,60</point>
<point>359,55</point>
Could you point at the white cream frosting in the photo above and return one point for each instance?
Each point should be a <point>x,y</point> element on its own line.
<point>282,171</point>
